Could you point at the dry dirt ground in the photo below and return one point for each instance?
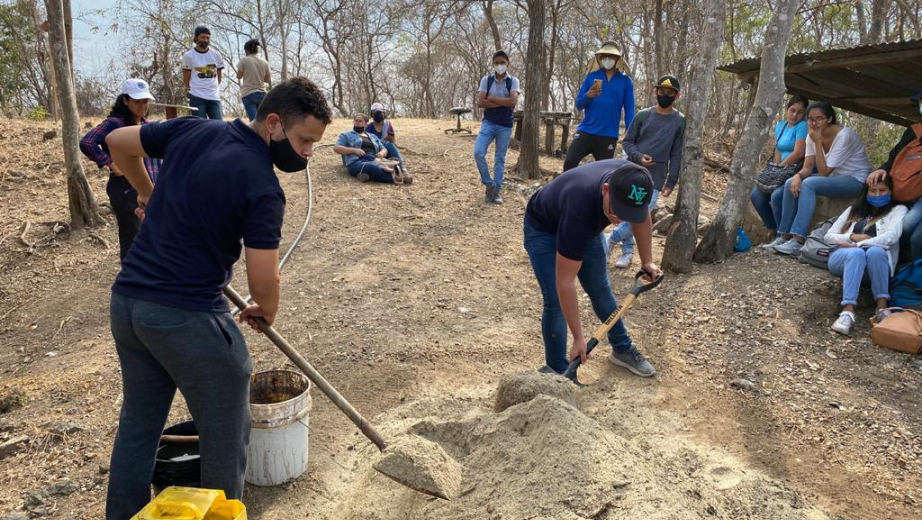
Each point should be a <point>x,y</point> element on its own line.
<point>413,301</point>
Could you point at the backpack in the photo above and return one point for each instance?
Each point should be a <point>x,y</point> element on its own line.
<point>906,286</point>
<point>906,171</point>
<point>491,79</point>
<point>816,251</point>
<point>901,331</point>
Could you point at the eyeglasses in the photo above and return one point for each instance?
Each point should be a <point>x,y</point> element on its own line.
<point>818,119</point>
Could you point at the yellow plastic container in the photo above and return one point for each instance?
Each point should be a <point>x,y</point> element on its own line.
<point>184,503</point>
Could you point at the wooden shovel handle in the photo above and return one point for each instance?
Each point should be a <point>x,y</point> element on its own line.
<point>364,426</point>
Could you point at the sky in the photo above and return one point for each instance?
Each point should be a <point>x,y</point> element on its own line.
<point>93,50</point>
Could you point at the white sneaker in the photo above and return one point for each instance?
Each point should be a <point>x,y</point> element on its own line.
<point>624,261</point>
<point>792,247</point>
<point>770,246</point>
<point>843,325</point>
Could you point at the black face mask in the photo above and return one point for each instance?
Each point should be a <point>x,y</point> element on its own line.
<point>378,117</point>
<point>358,129</point>
<point>665,101</point>
<point>285,157</point>
<point>203,45</point>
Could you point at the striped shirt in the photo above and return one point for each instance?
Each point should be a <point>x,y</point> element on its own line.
<point>93,145</point>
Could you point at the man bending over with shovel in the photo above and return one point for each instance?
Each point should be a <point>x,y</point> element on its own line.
<point>170,321</point>
<point>563,225</point>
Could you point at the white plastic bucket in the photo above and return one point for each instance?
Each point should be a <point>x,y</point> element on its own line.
<point>280,404</point>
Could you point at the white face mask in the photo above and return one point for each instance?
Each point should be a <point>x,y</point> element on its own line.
<point>500,68</point>
<point>920,108</point>
<point>608,63</point>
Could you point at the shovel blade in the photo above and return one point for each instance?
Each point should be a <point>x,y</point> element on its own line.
<point>422,465</point>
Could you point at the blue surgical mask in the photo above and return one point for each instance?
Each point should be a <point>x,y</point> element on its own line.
<point>879,201</point>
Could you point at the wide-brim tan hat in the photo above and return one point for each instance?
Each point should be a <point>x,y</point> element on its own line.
<point>609,47</point>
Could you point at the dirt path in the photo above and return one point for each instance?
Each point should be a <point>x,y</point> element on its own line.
<point>422,292</point>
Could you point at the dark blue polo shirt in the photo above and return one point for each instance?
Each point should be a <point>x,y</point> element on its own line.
<point>217,187</point>
<point>570,207</point>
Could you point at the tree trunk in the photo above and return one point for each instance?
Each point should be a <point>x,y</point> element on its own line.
<point>535,63</point>
<point>488,12</point>
<point>680,244</point>
<point>83,210</point>
<point>658,37</point>
<point>718,242</point>
<point>878,13</point>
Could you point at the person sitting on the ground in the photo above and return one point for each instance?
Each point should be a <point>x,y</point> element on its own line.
<point>129,109</point>
<point>911,239</point>
<point>842,166</point>
<point>790,147</point>
<point>364,155</point>
<point>654,141</point>
<point>383,129</point>
<point>605,93</point>
<point>866,237</point>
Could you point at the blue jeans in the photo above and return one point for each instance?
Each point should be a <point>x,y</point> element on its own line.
<point>623,232</point>
<point>207,108</point>
<point>488,132</point>
<point>768,206</point>
<point>593,276</point>
<point>797,212</point>
<point>392,151</point>
<point>854,264</point>
<point>911,239</point>
<point>202,354</point>
<point>251,103</point>
<point>366,164</point>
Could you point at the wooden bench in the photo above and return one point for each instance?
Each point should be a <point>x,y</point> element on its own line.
<point>551,121</point>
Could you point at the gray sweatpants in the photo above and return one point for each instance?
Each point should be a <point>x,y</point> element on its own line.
<point>202,354</point>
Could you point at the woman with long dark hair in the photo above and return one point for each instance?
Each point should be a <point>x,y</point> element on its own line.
<point>130,109</point>
<point>840,160</point>
<point>867,240</point>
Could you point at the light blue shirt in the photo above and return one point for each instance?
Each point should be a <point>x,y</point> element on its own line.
<point>787,137</point>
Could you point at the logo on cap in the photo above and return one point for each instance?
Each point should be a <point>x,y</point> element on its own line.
<point>637,194</point>
<point>666,83</point>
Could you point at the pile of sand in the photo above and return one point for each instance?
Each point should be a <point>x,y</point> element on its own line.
<point>545,459</point>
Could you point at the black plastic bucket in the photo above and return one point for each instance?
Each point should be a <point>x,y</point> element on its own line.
<point>178,463</point>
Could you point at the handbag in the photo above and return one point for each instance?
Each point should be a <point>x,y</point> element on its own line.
<point>901,331</point>
<point>816,251</point>
<point>775,174</point>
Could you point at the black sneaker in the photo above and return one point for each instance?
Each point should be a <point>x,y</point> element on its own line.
<point>488,196</point>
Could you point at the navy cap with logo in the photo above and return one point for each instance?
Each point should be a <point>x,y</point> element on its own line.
<point>668,81</point>
<point>630,191</point>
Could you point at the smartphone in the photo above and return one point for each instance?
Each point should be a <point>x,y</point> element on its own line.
<point>597,84</point>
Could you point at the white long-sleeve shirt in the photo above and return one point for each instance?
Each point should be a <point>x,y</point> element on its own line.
<point>889,228</point>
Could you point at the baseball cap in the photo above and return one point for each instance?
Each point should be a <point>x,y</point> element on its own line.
<point>136,89</point>
<point>917,96</point>
<point>668,81</point>
<point>377,107</point>
<point>201,29</point>
<point>630,191</point>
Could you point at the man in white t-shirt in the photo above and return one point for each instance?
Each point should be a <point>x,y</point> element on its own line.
<point>202,71</point>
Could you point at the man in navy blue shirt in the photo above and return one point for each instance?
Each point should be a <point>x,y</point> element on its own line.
<point>563,225</point>
<point>171,324</point>
<point>605,93</point>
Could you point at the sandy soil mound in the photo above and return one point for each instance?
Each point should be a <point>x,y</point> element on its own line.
<point>522,387</point>
<point>545,459</point>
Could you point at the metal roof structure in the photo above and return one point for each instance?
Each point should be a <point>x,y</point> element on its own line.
<point>873,80</point>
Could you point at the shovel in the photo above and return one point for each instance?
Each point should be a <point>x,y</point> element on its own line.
<point>602,332</point>
<point>414,462</point>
